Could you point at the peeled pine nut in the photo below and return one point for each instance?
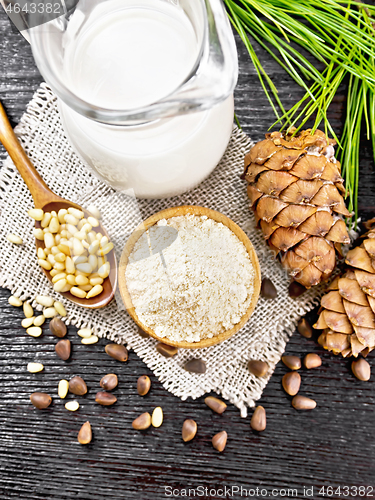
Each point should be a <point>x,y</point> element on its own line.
<point>36,214</point>
<point>15,301</point>
<point>81,280</point>
<point>54,225</point>
<point>59,308</point>
<point>61,215</point>
<point>94,211</point>
<point>27,322</point>
<point>50,312</point>
<point>96,290</point>
<point>39,320</point>
<point>71,279</point>
<point>45,264</point>
<point>27,310</point>
<point>70,219</point>
<point>76,212</point>
<point>44,300</point>
<point>38,233</point>
<point>46,220</point>
<point>157,417</point>
<point>14,238</point>
<point>72,405</point>
<point>103,271</point>
<point>49,240</point>
<point>66,288</point>
<point>60,285</point>
<point>90,340</point>
<point>41,254</point>
<point>35,367</point>
<point>85,333</point>
<point>59,266</point>
<point>63,388</point>
<point>69,266</point>
<point>96,281</point>
<point>58,277</point>
<point>94,247</point>
<point>34,331</point>
<point>85,267</point>
<point>94,222</point>
<point>60,257</point>
<point>86,288</point>
<point>77,292</point>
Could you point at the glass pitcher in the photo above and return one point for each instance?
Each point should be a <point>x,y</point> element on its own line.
<point>145,88</point>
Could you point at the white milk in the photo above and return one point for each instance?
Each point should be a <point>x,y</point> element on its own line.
<point>129,57</point>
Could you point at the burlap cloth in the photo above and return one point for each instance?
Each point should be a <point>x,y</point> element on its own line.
<point>265,335</point>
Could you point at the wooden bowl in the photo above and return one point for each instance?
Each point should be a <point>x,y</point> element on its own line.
<point>175,212</point>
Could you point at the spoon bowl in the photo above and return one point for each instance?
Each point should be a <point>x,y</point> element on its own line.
<point>48,201</point>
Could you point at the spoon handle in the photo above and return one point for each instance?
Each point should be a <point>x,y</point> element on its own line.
<point>37,187</point>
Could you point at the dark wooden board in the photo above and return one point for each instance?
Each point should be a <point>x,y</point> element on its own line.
<point>40,457</point>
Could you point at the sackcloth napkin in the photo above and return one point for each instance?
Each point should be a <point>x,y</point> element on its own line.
<point>265,335</point>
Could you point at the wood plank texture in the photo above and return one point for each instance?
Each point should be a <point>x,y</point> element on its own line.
<point>40,457</point>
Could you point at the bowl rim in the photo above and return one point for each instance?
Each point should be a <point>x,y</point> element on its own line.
<point>181,211</point>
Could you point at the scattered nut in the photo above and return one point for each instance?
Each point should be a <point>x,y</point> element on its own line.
<point>189,430</point>
<point>117,351</point>
<point>15,301</point>
<point>219,441</point>
<point>291,383</point>
<point>166,350</point>
<point>258,368</point>
<point>63,349</point>
<point>305,328</point>
<point>292,362</point>
<point>258,419</point>
<point>45,301</point>
<point>15,239</point>
<point>268,289</point>
<point>361,369</point>
<point>72,405</point>
<point>77,386</point>
<point>59,308</point>
<point>195,366</point>
<point>85,333</point>
<point>36,214</point>
<point>296,290</point>
<point>58,327</point>
<point>303,403</point>
<point>143,334</point>
<point>35,367</point>
<point>40,400</point>
<point>142,422</point>
<point>63,388</point>
<point>157,417</point>
<point>143,385</point>
<point>26,322</point>
<point>28,310</point>
<point>215,404</point>
<point>312,360</point>
<point>105,398</point>
<point>94,211</point>
<point>90,340</point>
<point>34,331</point>
<point>39,320</point>
<point>85,433</point>
<point>50,312</point>
<point>109,382</point>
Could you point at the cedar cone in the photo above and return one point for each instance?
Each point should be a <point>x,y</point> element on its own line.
<point>347,317</point>
<point>295,186</point>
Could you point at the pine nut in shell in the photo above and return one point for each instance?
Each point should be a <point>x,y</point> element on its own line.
<point>77,386</point>
<point>157,417</point>
<point>105,398</point>
<point>303,403</point>
<point>58,327</point>
<point>63,388</point>
<point>312,360</point>
<point>292,362</point>
<point>15,301</point>
<point>15,239</point>
<point>258,420</point>
<point>168,351</point>
<point>72,405</point>
<point>85,433</point>
<point>34,331</point>
<point>291,383</point>
<point>189,430</point>
<point>361,369</point>
<point>258,368</point>
<point>109,382</point>
<point>215,404</point>
<point>35,367</point>
<point>63,349</point>
<point>219,441</point>
<point>142,422</point>
<point>143,385</point>
<point>117,351</point>
<point>40,400</point>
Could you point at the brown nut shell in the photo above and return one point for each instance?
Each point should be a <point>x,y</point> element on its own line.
<point>105,398</point>
<point>304,328</point>
<point>268,289</point>
<point>143,385</point>
<point>142,422</point>
<point>303,403</point>
<point>57,327</point>
<point>258,368</point>
<point>296,290</point>
<point>258,420</point>
<point>168,351</point>
<point>109,382</point>
<point>219,441</point>
<point>189,430</point>
<point>85,433</point>
<point>117,351</point>
<point>63,349</point>
<point>215,404</point>
<point>361,369</point>
<point>312,360</point>
<point>291,383</point>
<point>292,362</point>
<point>40,400</point>
<point>195,366</point>
<point>77,386</point>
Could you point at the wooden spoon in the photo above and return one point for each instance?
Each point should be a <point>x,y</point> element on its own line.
<point>47,200</point>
